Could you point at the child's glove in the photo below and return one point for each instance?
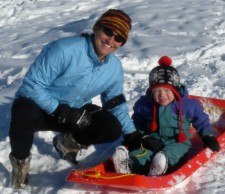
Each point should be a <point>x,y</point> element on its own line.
<point>133,140</point>
<point>211,142</point>
<point>74,117</point>
<point>152,144</point>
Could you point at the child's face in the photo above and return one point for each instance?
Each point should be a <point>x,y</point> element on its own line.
<point>163,96</point>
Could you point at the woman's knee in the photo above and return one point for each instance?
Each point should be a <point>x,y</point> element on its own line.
<point>113,127</point>
<point>106,125</point>
<point>114,130</point>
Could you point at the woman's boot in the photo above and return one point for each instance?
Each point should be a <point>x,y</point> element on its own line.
<point>20,171</point>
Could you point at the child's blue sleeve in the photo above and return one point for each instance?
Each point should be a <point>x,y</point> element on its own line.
<point>200,120</point>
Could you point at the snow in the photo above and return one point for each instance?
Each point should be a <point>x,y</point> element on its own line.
<point>191,32</point>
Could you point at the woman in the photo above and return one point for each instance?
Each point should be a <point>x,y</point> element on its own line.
<point>56,95</point>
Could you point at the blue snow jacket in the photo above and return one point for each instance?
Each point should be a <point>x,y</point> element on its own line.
<point>69,71</point>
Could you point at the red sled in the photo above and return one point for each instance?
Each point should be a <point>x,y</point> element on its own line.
<point>104,174</point>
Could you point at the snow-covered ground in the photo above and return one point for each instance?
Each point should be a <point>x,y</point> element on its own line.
<point>190,32</point>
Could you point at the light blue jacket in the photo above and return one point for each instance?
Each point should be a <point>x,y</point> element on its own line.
<point>69,71</point>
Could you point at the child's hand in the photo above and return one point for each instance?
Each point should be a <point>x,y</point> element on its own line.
<point>133,140</point>
<point>152,144</point>
<point>211,142</point>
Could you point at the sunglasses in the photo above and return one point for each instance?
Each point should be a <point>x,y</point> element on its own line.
<point>109,32</point>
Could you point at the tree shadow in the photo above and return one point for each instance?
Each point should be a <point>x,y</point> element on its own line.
<point>78,26</point>
<point>5,116</point>
<point>4,176</point>
<point>52,180</point>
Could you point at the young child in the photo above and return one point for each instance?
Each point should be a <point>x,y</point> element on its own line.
<point>163,116</point>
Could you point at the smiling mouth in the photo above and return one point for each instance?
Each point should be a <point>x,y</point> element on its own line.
<point>106,45</point>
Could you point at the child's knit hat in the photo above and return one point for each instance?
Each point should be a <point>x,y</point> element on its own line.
<point>167,76</point>
<point>117,20</point>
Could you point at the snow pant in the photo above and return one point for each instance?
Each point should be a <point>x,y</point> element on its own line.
<point>141,158</point>
<point>105,131</point>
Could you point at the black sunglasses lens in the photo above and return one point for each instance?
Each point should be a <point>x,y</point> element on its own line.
<point>109,32</point>
<point>119,38</point>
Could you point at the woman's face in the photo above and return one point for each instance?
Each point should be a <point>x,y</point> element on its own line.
<point>105,44</point>
<point>163,96</point>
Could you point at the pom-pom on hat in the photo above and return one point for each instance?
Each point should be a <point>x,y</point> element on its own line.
<point>117,20</point>
<point>167,76</point>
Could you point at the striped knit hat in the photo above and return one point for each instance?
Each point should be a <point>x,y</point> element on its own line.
<point>166,76</point>
<point>116,20</point>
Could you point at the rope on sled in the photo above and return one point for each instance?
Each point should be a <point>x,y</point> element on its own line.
<point>98,175</point>
<point>144,151</point>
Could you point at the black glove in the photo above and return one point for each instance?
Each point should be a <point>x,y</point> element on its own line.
<point>211,142</point>
<point>74,117</point>
<point>133,140</point>
<point>152,144</point>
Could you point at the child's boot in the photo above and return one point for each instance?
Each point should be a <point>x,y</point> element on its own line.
<point>121,160</point>
<point>159,164</point>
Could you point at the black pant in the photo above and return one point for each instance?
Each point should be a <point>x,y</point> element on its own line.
<point>27,118</point>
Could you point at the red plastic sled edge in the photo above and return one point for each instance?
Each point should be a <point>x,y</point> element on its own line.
<point>98,175</point>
